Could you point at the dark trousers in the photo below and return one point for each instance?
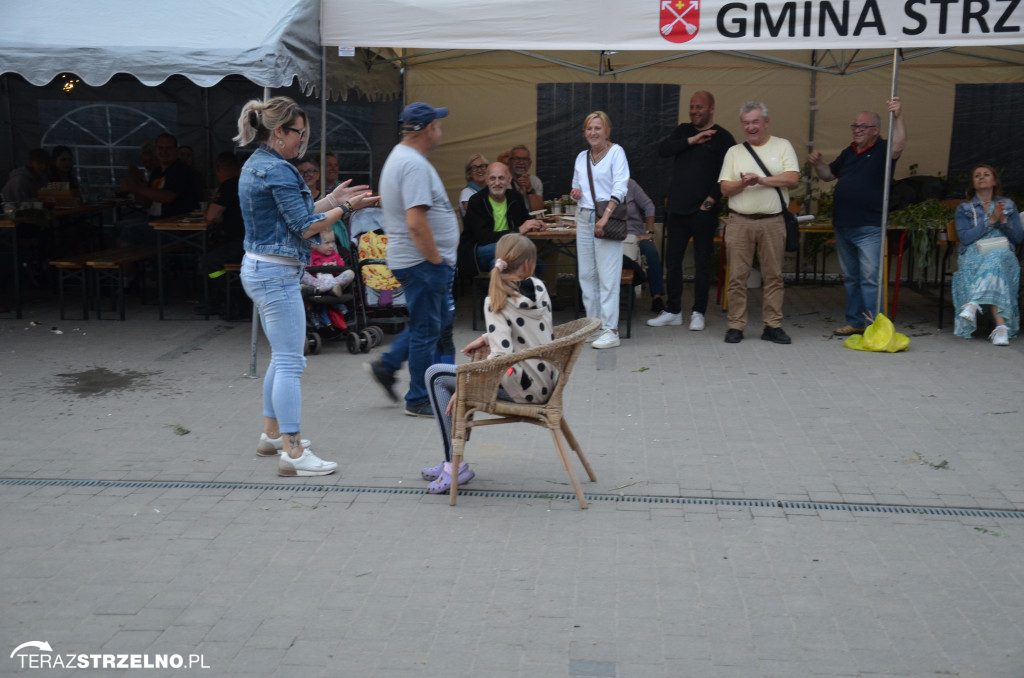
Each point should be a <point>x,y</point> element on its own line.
<point>700,226</point>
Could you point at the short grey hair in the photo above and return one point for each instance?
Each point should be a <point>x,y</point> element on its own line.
<point>754,105</point>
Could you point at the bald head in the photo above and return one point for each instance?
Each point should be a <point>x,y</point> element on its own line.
<point>702,110</point>
<point>498,179</point>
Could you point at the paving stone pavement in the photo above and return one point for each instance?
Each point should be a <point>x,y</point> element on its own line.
<point>727,535</point>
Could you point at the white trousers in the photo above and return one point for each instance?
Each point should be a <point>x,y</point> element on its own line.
<point>599,263</point>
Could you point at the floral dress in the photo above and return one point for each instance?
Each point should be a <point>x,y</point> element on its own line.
<point>990,278</point>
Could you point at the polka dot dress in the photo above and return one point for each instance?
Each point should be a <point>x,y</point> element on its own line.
<point>524,323</point>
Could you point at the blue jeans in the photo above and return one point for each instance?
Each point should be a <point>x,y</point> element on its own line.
<point>274,289</point>
<point>859,250</point>
<point>654,277</point>
<point>426,287</point>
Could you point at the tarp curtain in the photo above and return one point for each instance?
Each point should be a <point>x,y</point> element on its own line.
<point>672,24</point>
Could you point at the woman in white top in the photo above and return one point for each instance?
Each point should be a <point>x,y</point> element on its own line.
<point>600,261</point>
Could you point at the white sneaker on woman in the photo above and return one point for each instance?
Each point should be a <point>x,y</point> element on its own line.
<point>1000,336</point>
<point>307,465</point>
<point>271,447</point>
<point>608,339</point>
<point>970,312</point>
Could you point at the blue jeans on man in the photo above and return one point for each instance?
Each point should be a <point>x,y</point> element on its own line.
<point>426,288</point>
<point>859,249</point>
<point>654,276</point>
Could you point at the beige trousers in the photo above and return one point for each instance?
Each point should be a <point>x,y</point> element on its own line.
<point>743,237</point>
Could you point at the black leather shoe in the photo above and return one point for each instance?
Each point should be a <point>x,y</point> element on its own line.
<point>776,335</point>
<point>734,336</point>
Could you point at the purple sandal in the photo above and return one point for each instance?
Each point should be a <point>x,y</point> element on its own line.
<point>443,483</point>
<point>434,471</point>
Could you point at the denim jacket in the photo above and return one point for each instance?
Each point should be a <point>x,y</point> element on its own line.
<point>972,222</point>
<point>277,207</point>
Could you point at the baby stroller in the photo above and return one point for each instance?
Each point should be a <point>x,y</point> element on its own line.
<point>382,298</point>
<point>331,309</point>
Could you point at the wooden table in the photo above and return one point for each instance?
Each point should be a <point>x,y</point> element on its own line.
<point>9,227</point>
<point>187,230</point>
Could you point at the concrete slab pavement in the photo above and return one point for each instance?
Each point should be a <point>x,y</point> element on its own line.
<point>134,539</point>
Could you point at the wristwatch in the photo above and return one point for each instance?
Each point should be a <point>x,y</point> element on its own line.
<point>707,204</point>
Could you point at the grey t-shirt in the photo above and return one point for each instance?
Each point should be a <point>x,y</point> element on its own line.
<point>408,180</point>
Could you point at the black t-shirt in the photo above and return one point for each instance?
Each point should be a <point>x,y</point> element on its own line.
<point>231,226</point>
<point>177,178</point>
<point>695,169</point>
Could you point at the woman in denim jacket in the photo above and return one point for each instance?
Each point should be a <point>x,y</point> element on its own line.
<point>280,221</point>
<point>987,278</point>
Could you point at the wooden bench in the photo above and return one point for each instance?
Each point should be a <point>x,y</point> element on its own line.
<point>73,268</point>
<point>110,265</point>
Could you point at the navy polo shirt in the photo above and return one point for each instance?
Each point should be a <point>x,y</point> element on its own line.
<point>858,196</point>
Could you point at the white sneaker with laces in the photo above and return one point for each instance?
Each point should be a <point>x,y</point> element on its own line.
<point>608,339</point>
<point>1000,336</point>
<point>307,465</point>
<point>593,337</point>
<point>271,447</point>
<point>665,318</point>
<point>696,321</point>
<point>970,312</point>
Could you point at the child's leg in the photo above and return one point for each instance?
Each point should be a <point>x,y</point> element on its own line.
<point>440,380</point>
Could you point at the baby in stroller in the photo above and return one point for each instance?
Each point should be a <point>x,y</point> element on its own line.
<point>327,254</point>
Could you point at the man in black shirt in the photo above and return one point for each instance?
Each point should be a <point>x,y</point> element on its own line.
<point>697,149</point>
<point>171,190</point>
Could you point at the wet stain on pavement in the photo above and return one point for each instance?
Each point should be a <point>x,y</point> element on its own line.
<point>101,381</point>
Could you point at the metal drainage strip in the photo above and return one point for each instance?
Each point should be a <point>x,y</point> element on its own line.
<point>566,496</point>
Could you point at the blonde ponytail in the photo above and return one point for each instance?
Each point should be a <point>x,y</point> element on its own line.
<point>513,250</point>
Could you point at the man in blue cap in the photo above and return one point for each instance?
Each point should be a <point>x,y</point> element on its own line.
<point>423,235</point>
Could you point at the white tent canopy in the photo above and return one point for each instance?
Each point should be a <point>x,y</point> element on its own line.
<point>270,42</point>
<point>672,24</point>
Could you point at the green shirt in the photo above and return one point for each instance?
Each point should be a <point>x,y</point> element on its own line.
<point>500,210</point>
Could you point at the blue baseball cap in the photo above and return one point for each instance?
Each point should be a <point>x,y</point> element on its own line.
<point>418,115</point>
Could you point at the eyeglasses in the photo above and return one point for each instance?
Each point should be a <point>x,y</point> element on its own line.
<point>861,128</point>
<point>309,173</point>
<point>519,159</point>
<point>477,168</point>
<point>301,132</point>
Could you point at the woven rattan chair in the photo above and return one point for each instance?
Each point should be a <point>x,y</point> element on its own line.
<point>476,392</point>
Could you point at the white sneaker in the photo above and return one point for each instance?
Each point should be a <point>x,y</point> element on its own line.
<point>593,337</point>
<point>970,312</point>
<point>608,339</point>
<point>307,465</point>
<point>665,318</point>
<point>271,447</point>
<point>696,321</point>
<point>999,336</point>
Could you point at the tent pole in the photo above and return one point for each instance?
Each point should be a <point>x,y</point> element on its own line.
<point>255,335</point>
<point>323,120</point>
<point>882,267</point>
<point>810,134</point>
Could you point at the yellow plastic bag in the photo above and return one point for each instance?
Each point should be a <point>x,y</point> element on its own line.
<point>880,336</point>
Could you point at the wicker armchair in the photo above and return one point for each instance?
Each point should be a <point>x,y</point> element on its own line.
<point>476,392</point>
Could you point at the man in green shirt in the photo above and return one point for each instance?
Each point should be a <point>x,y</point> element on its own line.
<point>492,212</point>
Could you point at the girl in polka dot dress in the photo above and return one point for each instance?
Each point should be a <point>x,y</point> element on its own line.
<point>518,316</point>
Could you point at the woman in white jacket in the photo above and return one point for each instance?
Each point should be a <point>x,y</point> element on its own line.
<point>600,261</point>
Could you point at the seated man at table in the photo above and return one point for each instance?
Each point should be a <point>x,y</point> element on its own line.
<point>225,215</point>
<point>528,185</point>
<point>492,212</point>
<point>24,182</point>
<point>171,190</point>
